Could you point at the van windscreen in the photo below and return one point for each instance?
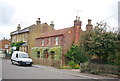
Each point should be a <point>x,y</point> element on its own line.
<point>23,55</point>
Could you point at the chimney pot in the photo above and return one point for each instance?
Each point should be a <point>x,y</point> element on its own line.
<point>38,21</point>
<point>89,26</point>
<point>77,22</point>
<point>18,25</point>
<point>52,22</point>
<point>76,17</point>
<point>52,25</point>
<point>89,22</point>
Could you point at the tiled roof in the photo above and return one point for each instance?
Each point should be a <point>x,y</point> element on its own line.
<point>54,33</point>
<point>21,31</point>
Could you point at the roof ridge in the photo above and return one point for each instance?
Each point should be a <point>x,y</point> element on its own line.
<point>53,33</point>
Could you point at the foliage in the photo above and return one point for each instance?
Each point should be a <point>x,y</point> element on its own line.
<point>66,67</point>
<point>103,43</point>
<point>116,60</point>
<point>77,66</point>
<point>5,52</point>
<point>84,66</point>
<point>17,45</point>
<point>69,67</point>
<point>76,54</point>
<point>94,72</point>
<point>71,64</point>
<point>41,50</point>
<point>58,52</point>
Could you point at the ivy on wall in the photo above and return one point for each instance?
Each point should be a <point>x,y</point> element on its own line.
<point>17,45</point>
<point>40,49</point>
<point>57,52</point>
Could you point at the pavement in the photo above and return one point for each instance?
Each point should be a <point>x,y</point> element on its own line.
<point>0,68</point>
<point>73,72</point>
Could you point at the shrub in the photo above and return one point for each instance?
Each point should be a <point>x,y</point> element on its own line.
<point>76,54</point>
<point>84,67</point>
<point>66,67</point>
<point>71,64</point>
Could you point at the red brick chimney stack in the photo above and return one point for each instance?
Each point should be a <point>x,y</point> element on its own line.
<point>77,22</point>
<point>77,27</point>
<point>38,21</point>
<point>89,26</point>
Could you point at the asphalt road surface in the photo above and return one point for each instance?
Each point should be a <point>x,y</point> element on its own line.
<point>25,72</point>
<point>10,71</point>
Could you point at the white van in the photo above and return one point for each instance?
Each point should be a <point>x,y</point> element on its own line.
<point>21,58</point>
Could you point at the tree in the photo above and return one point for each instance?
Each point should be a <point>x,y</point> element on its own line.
<point>17,45</point>
<point>76,54</point>
<point>102,43</point>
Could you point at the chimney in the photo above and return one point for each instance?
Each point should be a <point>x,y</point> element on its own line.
<point>77,28</point>
<point>52,25</point>
<point>77,22</point>
<point>18,28</point>
<point>38,21</point>
<point>89,26</point>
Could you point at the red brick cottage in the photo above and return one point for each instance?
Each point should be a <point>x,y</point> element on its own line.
<point>63,37</point>
<point>4,44</point>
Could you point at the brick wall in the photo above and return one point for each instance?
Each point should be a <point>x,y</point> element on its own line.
<point>34,32</point>
<point>3,43</point>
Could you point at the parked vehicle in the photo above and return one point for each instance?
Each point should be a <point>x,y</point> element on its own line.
<point>21,58</point>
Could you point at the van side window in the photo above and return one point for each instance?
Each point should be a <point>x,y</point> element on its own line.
<point>17,55</point>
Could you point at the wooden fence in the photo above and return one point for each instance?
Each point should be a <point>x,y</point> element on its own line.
<point>104,68</point>
<point>47,62</point>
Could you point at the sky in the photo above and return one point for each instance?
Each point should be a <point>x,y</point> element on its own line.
<point>62,12</point>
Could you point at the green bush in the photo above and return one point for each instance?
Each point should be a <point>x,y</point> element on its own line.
<point>76,54</point>
<point>71,64</point>
<point>102,43</point>
<point>5,52</point>
<point>84,67</point>
<point>66,67</point>
<point>94,72</point>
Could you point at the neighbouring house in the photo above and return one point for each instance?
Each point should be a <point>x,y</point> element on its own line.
<point>63,38</point>
<point>4,44</point>
<point>36,30</point>
<point>29,34</point>
<point>21,35</point>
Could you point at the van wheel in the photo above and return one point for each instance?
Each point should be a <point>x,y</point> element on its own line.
<point>19,64</point>
<point>12,62</point>
<point>30,65</point>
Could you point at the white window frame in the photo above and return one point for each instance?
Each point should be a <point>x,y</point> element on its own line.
<point>24,38</point>
<point>43,42</point>
<point>14,39</point>
<point>49,41</point>
<point>56,40</point>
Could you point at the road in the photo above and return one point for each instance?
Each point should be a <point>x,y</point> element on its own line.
<point>0,68</point>
<point>10,71</point>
